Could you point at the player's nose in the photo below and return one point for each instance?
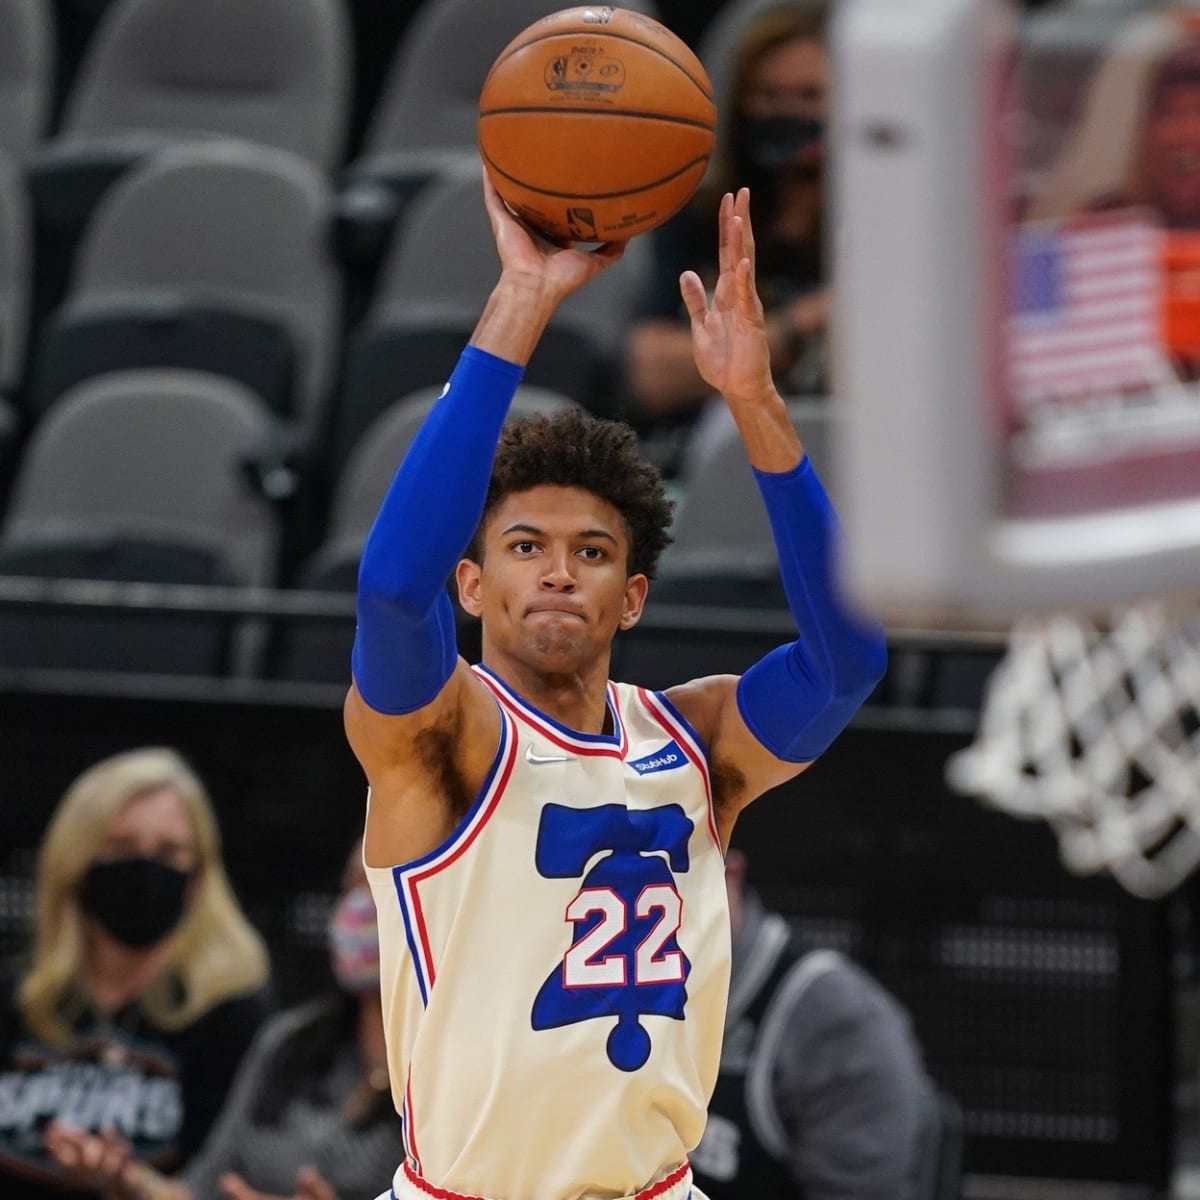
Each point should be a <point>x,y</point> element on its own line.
<point>557,575</point>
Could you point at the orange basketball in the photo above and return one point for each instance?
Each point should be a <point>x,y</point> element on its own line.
<point>596,124</point>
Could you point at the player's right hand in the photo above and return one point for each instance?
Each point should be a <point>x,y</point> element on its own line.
<point>559,269</point>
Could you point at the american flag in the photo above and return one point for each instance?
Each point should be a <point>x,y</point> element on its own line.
<point>1086,316</point>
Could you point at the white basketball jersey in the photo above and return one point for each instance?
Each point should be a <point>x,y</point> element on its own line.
<point>555,974</point>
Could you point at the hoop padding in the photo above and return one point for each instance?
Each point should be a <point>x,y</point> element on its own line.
<point>1097,731</point>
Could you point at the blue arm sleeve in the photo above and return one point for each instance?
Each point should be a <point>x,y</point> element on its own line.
<point>799,697</point>
<point>404,646</point>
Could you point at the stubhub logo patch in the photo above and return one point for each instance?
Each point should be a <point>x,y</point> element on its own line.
<point>667,758</point>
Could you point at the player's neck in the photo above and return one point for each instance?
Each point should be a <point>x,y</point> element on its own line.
<point>577,699</point>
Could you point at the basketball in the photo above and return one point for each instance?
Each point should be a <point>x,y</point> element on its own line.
<point>596,124</point>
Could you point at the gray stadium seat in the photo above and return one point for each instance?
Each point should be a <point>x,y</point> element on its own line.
<point>157,72</point>
<point>212,256</point>
<point>161,448</point>
<point>320,651</point>
<point>15,294</point>
<point>26,74</point>
<point>15,274</point>
<point>721,522</point>
<point>270,71</point>
<point>431,98</point>
<point>432,288</point>
<point>138,476</point>
<point>723,556</point>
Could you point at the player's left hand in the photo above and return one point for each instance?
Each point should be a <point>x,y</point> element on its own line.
<point>729,336</point>
<point>310,1185</point>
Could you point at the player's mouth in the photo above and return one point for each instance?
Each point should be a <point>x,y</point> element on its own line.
<point>560,610</point>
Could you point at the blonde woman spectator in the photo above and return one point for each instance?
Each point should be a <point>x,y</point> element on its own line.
<point>146,982</point>
<point>310,1114</point>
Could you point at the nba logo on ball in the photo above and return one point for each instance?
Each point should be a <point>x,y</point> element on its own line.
<point>596,124</point>
<point>580,72</point>
<point>582,224</point>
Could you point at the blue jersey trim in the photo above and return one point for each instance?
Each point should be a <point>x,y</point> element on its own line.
<point>687,725</point>
<point>594,739</point>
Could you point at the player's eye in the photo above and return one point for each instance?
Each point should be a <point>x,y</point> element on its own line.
<point>524,547</point>
<point>592,553</point>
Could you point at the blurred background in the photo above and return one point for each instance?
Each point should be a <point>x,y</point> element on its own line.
<point>241,245</point>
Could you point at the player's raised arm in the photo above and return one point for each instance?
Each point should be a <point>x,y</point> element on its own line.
<point>405,653</point>
<point>788,707</point>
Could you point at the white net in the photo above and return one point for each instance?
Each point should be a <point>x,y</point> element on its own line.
<point>1097,731</point>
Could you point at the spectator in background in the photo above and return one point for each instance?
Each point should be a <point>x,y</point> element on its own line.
<point>771,135</point>
<point>1136,137</point>
<point>146,982</point>
<point>821,1088</point>
<point>310,1114</point>
<point>1130,159</point>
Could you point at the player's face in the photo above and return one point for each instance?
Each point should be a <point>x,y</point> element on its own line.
<point>552,588</point>
<point>1172,155</point>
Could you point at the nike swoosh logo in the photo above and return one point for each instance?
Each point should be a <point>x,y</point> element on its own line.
<point>531,757</point>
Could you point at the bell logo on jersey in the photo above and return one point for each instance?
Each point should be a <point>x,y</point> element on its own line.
<point>624,960</point>
<point>667,758</point>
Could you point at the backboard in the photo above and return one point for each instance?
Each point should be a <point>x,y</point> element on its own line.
<point>1017,311</point>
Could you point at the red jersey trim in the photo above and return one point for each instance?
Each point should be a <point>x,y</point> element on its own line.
<point>556,735</point>
<point>411,880</point>
<point>656,1189</point>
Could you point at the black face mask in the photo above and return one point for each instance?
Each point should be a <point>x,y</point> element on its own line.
<point>138,900</point>
<point>771,142</point>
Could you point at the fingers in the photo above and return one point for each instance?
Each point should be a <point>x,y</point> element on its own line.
<point>312,1185</point>
<point>695,299</point>
<point>736,234</point>
<point>741,209</point>
<point>499,214</point>
<point>747,296</point>
<point>725,253</point>
<point>99,1160</point>
<point>492,200</point>
<point>65,1145</point>
<point>609,252</point>
<point>235,1187</point>
<point>115,1156</point>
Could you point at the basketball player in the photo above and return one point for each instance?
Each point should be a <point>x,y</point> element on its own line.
<point>545,846</point>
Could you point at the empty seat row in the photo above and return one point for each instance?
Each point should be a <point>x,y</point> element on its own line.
<point>140,476</point>
<point>218,257</point>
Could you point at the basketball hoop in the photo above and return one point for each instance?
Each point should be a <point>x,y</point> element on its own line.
<point>1097,731</point>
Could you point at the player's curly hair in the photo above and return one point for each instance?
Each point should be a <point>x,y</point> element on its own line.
<point>572,448</point>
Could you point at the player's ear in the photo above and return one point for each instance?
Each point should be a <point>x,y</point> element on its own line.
<point>467,576</point>
<point>636,587</point>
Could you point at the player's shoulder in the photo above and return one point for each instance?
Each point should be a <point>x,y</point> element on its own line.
<point>702,701</point>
